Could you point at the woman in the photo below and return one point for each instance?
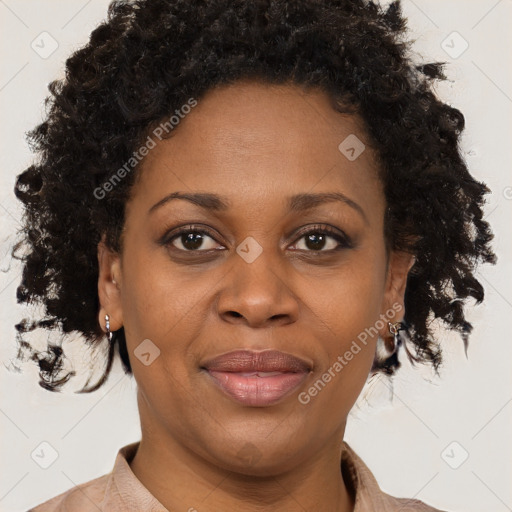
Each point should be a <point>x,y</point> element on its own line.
<point>259,203</point>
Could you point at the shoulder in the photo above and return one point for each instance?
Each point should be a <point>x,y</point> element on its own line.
<point>117,491</point>
<point>368,495</point>
<point>409,504</point>
<point>83,498</point>
<point>383,502</point>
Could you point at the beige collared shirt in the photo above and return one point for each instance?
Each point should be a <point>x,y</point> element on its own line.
<point>121,491</point>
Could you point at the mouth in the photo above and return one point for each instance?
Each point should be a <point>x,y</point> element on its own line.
<point>257,379</point>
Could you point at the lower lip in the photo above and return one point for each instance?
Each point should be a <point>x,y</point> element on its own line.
<point>257,391</point>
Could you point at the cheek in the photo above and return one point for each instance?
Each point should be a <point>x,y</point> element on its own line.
<point>346,309</point>
<point>159,306</point>
<point>162,307</point>
<point>157,296</point>
<point>349,300</point>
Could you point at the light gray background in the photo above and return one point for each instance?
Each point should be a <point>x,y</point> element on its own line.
<point>407,444</point>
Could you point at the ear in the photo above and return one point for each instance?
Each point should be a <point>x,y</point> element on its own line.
<point>399,265</point>
<point>109,286</point>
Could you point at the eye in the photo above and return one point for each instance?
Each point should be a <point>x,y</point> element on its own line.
<point>192,240</point>
<point>319,238</point>
<point>322,239</point>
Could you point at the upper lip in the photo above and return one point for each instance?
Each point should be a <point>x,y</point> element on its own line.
<point>265,361</point>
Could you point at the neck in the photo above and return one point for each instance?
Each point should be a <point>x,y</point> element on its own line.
<point>180,479</point>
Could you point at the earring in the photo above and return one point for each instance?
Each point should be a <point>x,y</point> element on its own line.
<point>394,329</point>
<point>107,327</point>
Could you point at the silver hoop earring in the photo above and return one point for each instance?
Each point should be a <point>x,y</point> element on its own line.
<point>107,327</point>
<point>394,329</point>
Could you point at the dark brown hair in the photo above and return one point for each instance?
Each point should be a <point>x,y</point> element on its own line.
<point>150,56</point>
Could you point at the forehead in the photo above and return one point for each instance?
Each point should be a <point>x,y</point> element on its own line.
<point>249,116</point>
<point>253,139</point>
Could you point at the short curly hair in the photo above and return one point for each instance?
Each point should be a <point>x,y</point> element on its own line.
<point>150,56</point>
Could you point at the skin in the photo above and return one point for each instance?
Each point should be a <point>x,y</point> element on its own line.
<point>255,144</point>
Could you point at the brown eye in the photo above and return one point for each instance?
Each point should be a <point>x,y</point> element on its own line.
<point>192,240</point>
<point>322,239</point>
<point>318,241</point>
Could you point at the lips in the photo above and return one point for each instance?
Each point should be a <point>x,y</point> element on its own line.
<point>257,378</point>
<point>249,361</point>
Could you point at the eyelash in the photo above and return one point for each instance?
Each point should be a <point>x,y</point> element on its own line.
<point>344,241</point>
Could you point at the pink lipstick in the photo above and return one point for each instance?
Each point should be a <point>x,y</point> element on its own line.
<point>257,379</point>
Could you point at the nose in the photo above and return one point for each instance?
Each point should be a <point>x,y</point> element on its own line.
<point>258,294</point>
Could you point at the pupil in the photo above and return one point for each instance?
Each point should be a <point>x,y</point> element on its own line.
<point>191,240</point>
<point>317,241</point>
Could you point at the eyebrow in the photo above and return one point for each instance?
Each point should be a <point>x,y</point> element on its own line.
<point>296,203</point>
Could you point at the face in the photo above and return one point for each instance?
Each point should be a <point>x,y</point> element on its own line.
<point>257,264</point>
